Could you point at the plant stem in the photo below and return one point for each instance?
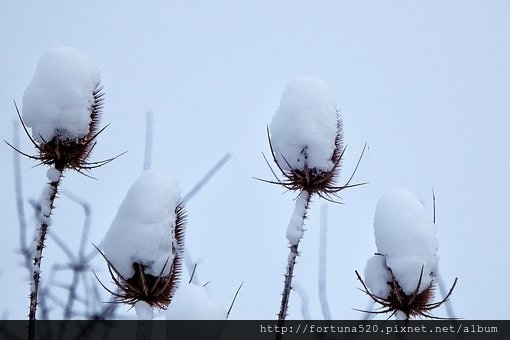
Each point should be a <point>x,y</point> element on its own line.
<point>295,231</point>
<point>287,285</point>
<point>46,207</point>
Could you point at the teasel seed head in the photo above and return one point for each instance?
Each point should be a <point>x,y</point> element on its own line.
<point>306,138</point>
<point>156,290</point>
<point>394,299</point>
<point>63,106</point>
<point>144,246</point>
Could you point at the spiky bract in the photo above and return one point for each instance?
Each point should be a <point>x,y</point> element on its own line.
<point>64,153</point>
<point>411,305</point>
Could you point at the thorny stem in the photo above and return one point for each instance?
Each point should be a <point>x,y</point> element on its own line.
<point>46,208</point>
<point>302,203</point>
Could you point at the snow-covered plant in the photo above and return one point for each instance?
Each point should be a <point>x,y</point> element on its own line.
<point>306,137</point>
<point>144,245</point>
<point>62,106</point>
<point>306,141</point>
<point>401,275</point>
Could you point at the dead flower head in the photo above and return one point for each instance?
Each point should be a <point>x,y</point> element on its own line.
<point>418,303</point>
<point>63,105</point>
<point>157,291</point>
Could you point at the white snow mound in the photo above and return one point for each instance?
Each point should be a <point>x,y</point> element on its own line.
<point>192,302</point>
<point>377,276</point>
<point>306,122</point>
<point>143,229</point>
<point>58,100</point>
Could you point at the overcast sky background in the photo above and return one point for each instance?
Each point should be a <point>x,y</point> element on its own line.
<point>425,84</point>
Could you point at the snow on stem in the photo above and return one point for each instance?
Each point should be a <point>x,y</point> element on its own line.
<point>295,231</point>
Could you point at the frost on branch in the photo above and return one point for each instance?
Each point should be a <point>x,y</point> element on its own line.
<point>144,244</point>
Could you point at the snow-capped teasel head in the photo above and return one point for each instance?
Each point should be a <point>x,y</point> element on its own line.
<point>400,277</point>
<point>57,102</point>
<point>144,244</point>
<point>62,106</point>
<point>306,137</point>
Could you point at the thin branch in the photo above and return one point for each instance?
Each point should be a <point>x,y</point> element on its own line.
<point>234,299</point>
<point>187,256</point>
<point>149,137</point>
<point>25,250</point>
<point>323,244</point>
<point>305,300</point>
<point>206,178</point>
<point>86,223</point>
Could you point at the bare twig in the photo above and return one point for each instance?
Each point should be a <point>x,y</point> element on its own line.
<point>190,264</point>
<point>206,178</point>
<point>25,250</point>
<point>305,300</point>
<point>234,299</point>
<point>149,124</point>
<point>322,262</point>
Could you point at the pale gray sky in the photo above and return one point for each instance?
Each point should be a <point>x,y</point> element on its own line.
<point>426,85</point>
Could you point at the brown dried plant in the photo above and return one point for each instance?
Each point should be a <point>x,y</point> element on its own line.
<point>63,153</point>
<point>313,180</point>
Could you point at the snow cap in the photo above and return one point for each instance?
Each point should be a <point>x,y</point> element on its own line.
<point>305,123</point>
<point>59,99</point>
<point>143,229</point>
<point>406,237</point>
